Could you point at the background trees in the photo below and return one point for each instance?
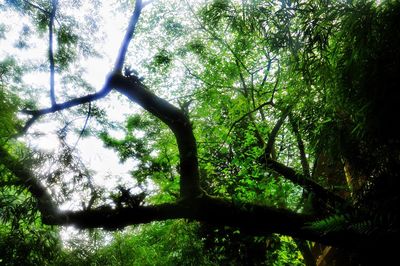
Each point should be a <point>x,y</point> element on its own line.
<point>271,117</point>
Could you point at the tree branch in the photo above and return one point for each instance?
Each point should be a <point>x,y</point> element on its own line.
<point>46,205</point>
<point>84,125</point>
<point>304,181</point>
<point>249,218</point>
<point>128,36</point>
<point>36,114</point>
<point>54,4</point>
<point>274,132</point>
<point>330,198</point>
<point>266,73</point>
<point>300,145</point>
<point>36,6</point>
<point>176,120</point>
<point>112,219</point>
<point>245,115</point>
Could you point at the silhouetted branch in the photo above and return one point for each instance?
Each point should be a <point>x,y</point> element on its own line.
<point>308,184</point>
<point>274,132</point>
<point>36,114</point>
<point>128,36</point>
<point>84,125</point>
<point>54,4</point>
<point>302,180</point>
<point>176,120</point>
<point>37,7</point>
<point>300,145</point>
<point>26,178</point>
<point>249,218</point>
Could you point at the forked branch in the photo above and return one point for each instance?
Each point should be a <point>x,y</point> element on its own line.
<point>36,114</point>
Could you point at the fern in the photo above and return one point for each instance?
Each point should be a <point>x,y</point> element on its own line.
<point>333,223</point>
<point>365,227</point>
<point>358,223</point>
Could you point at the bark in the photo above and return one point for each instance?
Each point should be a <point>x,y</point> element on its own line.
<point>176,120</point>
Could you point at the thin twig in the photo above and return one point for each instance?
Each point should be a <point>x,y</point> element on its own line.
<point>84,125</point>
<point>37,7</point>
<point>266,73</point>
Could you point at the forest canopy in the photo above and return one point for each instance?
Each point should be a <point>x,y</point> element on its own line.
<point>251,132</point>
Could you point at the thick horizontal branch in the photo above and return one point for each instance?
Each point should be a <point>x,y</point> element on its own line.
<point>176,120</point>
<point>112,219</point>
<point>249,218</point>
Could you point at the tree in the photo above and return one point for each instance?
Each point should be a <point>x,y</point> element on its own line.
<point>275,86</point>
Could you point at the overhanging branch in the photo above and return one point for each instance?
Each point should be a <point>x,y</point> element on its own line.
<point>36,114</point>
<point>37,7</point>
<point>249,218</point>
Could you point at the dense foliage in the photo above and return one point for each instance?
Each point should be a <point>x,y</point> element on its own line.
<point>273,135</point>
